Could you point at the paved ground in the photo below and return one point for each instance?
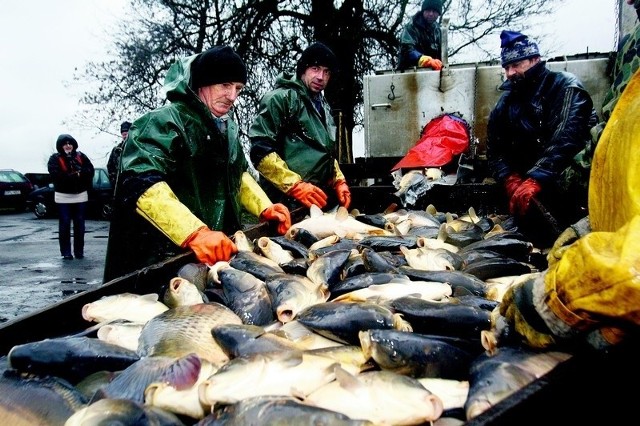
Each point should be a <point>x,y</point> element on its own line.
<point>33,275</point>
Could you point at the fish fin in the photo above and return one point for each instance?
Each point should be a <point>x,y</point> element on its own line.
<point>461,291</point>
<point>183,373</point>
<point>342,214</point>
<point>347,380</point>
<point>297,393</point>
<point>341,232</point>
<point>442,233</point>
<point>399,323</point>
<point>315,211</point>
<point>214,269</point>
<point>473,216</point>
<point>325,292</point>
<point>431,209</point>
<point>151,297</point>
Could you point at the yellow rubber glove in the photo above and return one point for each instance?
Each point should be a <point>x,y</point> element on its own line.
<point>276,171</point>
<point>252,196</point>
<point>160,206</point>
<point>428,62</point>
<point>566,238</point>
<point>517,307</point>
<point>593,288</point>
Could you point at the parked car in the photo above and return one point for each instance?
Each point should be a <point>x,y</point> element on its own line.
<point>39,179</point>
<point>14,189</point>
<point>41,200</point>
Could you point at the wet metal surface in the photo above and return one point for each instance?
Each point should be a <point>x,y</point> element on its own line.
<point>33,275</point>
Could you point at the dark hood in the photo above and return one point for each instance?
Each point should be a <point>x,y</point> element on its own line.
<point>64,138</point>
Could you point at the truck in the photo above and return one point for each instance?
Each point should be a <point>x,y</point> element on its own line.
<point>399,104</point>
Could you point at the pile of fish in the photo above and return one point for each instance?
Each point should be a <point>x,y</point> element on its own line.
<point>348,319</point>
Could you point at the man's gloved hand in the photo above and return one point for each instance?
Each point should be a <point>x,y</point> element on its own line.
<point>517,307</point>
<point>343,193</point>
<point>521,198</point>
<point>592,287</point>
<point>210,246</point>
<point>308,194</point>
<point>511,183</point>
<point>428,62</point>
<point>277,213</point>
<point>568,237</point>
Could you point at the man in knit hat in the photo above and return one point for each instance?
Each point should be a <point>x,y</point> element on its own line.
<point>293,137</point>
<point>540,122</point>
<point>421,38</point>
<point>183,178</point>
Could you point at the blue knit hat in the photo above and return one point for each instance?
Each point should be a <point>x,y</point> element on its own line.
<point>516,47</point>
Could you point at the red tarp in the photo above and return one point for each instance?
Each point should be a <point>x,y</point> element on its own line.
<point>442,138</point>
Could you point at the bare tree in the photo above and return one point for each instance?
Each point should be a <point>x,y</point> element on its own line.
<point>270,35</point>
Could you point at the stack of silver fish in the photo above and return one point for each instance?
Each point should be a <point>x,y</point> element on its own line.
<point>348,319</point>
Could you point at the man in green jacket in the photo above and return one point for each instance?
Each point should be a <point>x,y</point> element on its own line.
<point>293,137</point>
<point>183,178</point>
<point>421,38</point>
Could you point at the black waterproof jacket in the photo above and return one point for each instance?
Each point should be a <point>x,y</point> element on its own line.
<point>71,173</point>
<point>538,125</point>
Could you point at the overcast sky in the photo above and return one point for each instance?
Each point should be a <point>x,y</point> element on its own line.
<point>42,42</point>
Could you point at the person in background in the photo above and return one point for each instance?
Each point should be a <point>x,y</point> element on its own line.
<point>293,136</point>
<point>114,157</point>
<point>536,128</point>
<point>183,177</point>
<point>72,174</point>
<point>589,296</point>
<point>421,38</point>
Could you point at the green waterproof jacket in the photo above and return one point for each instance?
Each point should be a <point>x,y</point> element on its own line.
<point>288,123</point>
<point>180,144</point>
<point>418,38</point>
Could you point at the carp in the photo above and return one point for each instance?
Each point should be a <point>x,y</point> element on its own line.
<point>292,293</point>
<point>342,321</point>
<point>26,401</point>
<point>182,292</point>
<point>382,397</point>
<point>124,306</point>
<point>187,329</point>
<point>339,223</point>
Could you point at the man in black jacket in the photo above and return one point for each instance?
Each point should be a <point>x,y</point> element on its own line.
<point>540,122</point>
